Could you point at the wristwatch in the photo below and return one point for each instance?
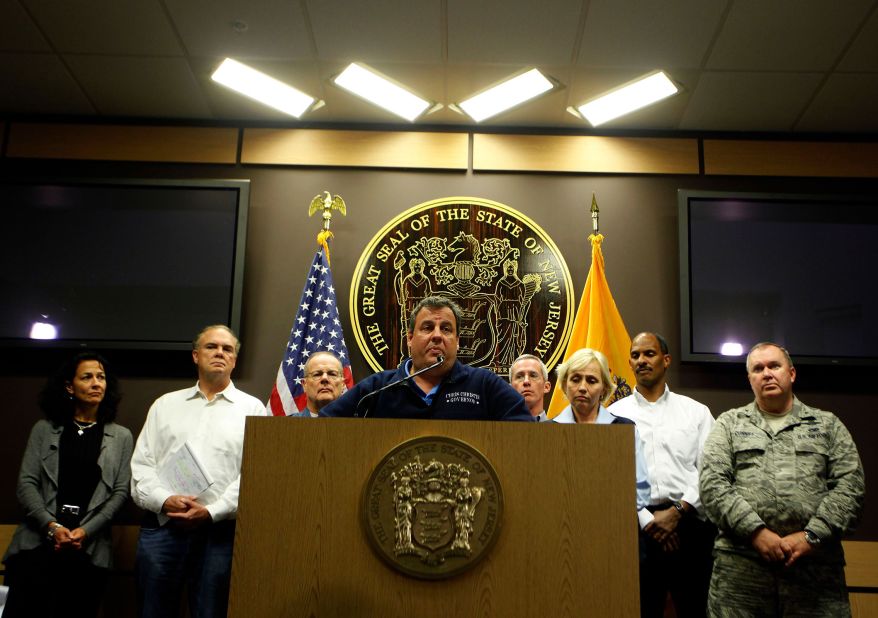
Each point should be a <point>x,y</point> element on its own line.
<point>813,539</point>
<point>52,528</point>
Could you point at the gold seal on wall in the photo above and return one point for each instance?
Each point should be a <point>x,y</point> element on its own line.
<point>503,270</point>
<point>432,507</point>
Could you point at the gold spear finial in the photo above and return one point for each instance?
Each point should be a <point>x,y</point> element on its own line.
<point>595,212</point>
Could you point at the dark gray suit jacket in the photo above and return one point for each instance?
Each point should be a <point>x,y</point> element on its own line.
<point>38,490</point>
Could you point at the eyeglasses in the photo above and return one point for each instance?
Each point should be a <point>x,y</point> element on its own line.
<point>316,375</point>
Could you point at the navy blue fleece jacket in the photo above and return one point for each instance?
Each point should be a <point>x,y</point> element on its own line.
<point>466,393</point>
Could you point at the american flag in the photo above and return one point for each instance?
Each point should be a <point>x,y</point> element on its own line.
<point>315,329</point>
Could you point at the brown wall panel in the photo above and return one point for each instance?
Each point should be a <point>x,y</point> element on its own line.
<point>123,143</point>
<point>638,218</point>
<point>394,149</point>
<point>861,570</point>
<point>863,604</point>
<point>566,153</point>
<point>761,158</point>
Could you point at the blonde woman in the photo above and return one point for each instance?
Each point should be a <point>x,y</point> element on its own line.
<point>585,381</point>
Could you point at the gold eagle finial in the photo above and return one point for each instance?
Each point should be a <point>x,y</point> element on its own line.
<point>327,203</point>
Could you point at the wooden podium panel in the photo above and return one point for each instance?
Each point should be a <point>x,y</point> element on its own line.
<point>567,545</point>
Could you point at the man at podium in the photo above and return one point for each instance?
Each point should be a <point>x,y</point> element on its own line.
<point>432,383</point>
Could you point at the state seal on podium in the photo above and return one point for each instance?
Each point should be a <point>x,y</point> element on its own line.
<point>432,507</point>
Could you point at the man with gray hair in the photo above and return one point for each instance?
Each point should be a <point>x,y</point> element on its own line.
<point>323,382</point>
<point>530,377</point>
<point>783,482</point>
<point>188,538</point>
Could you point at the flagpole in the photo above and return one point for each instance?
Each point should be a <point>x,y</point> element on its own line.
<point>597,323</point>
<point>316,324</point>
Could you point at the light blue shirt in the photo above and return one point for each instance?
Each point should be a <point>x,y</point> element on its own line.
<point>427,397</point>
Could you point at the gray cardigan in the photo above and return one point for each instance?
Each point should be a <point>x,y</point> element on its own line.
<point>38,490</point>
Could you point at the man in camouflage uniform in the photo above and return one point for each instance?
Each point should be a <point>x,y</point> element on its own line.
<point>783,482</point>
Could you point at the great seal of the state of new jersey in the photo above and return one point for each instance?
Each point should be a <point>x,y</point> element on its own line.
<point>432,507</point>
<point>504,271</point>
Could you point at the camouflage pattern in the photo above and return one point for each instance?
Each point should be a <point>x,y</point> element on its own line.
<point>745,587</point>
<point>807,475</point>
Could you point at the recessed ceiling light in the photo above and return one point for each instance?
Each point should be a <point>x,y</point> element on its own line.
<point>262,88</point>
<point>381,91</point>
<point>632,96</point>
<point>506,95</point>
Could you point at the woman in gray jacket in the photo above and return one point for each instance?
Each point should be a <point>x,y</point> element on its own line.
<point>74,477</point>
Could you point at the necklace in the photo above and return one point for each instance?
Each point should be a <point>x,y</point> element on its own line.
<point>84,426</point>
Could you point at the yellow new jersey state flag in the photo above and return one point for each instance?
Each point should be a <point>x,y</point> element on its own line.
<point>599,326</point>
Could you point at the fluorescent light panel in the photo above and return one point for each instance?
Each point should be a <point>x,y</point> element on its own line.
<point>645,91</point>
<point>260,87</point>
<point>507,95</point>
<point>380,91</point>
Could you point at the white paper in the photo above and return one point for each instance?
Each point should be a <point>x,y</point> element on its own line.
<point>183,473</point>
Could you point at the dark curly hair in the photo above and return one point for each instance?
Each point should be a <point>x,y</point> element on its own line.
<point>56,402</point>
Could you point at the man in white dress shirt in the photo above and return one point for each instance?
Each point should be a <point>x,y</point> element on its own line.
<point>530,377</point>
<point>676,539</point>
<point>188,538</point>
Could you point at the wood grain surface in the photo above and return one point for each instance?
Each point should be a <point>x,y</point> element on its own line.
<point>568,542</point>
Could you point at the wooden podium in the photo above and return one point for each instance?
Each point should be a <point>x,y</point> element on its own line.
<point>567,545</point>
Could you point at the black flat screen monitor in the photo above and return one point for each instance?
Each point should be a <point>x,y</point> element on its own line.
<point>129,264</point>
<point>793,269</point>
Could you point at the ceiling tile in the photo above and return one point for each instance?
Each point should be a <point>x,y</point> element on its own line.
<point>737,101</point>
<point>786,35</point>
<point>106,26</point>
<point>863,53</point>
<point>648,35</point>
<point>531,33</point>
<point>378,30</point>
<point>153,58</point>
<point>274,28</point>
<point>42,86</point>
<point>847,102</point>
<point>18,31</point>
<point>148,87</point>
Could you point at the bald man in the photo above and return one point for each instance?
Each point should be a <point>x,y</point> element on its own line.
<point>323,382</point>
